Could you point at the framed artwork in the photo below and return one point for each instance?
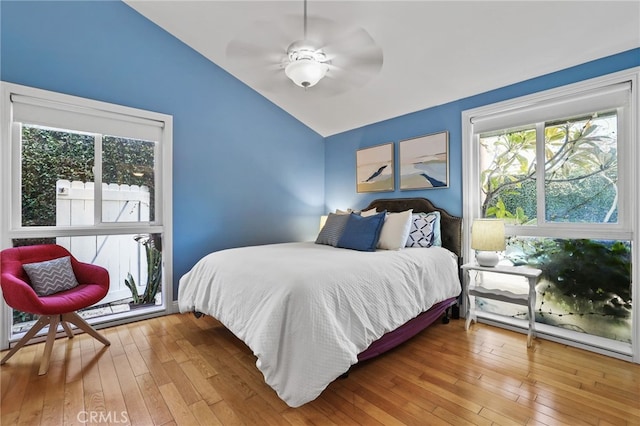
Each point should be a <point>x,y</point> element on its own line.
<point>374,169</point>
<point>424,162</point>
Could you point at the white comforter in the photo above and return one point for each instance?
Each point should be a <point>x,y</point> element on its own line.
<point>306,310</point>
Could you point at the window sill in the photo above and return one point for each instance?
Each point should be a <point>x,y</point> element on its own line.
<point>601,345</point>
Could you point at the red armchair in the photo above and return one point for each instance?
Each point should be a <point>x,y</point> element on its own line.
<point>93,285</point>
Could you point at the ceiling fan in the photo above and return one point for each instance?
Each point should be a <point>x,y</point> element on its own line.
<point>325,57</point>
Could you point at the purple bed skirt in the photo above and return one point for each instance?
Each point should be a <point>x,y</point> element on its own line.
<point>405,332</point>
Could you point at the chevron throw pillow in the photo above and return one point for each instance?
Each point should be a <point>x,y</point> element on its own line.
<point>51,276</point>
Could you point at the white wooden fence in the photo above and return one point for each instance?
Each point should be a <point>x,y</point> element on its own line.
<point>119,254</point>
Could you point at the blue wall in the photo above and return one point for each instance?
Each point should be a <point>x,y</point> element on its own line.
<point>340,150</point>
<point>245,172</point>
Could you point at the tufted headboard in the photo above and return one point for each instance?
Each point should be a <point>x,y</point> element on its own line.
<point>450,226</point>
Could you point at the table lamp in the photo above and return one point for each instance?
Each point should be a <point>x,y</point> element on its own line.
<point>487,238</point>
<point>323,220</point>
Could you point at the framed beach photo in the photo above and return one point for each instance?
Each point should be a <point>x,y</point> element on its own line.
<point>424,162</point>
<point>374,169</point>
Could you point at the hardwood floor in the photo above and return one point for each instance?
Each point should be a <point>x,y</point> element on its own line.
<point>178,370</point>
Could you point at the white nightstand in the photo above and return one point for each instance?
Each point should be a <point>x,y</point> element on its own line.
<point>529,300</point>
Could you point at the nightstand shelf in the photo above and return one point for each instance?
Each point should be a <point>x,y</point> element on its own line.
<point>525,299</point>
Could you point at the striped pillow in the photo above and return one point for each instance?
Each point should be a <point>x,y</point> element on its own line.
<point>332,229</point>
<point>51,276</point>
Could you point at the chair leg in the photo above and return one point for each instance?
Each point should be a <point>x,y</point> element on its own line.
<point>67,329</point>
<point>52,321</point>
<point>44,320</point>
<point>77,320</point>
<point>48,346</point>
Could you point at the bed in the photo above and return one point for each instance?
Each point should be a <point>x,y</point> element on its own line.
<point>311,311</point>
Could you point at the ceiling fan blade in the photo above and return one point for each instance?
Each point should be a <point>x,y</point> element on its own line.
<point>355,54</point>
<point>252,73</point>
<point>260,37</point>
<point>258,75</point>
<point>346,77</point>
<point>369,61</point>
<point>276,34</point>
<point>335,83</point>
<point>319,29</point>
<point>243,51</point>
<point>348,42</point>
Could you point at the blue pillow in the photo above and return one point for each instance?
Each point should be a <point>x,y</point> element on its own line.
<point>362,233</point>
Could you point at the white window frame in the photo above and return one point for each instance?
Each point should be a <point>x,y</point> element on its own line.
<point>629,205</point>
<point>10,188</point>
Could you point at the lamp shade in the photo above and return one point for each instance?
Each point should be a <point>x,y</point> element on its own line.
<point>306,72</point>
<point>323,220</point>
<point>487,235</point>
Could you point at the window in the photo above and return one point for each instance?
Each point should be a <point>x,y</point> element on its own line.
<point>96,179</point>
<point>557,168</point>
<point>580,173</point>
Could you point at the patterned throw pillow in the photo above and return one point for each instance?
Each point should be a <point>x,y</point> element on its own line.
<point>422,229</point>
<point>332,229</point>
<point>51,276</point>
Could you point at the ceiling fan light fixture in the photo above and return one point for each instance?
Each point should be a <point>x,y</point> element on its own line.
<point>306,72</point>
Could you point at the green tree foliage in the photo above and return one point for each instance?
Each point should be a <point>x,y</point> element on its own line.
<point>598,272</point>
<point>512,165</point>
<point>580,173</point>
<point>49,155</point>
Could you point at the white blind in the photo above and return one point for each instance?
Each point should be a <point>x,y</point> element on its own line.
<point>31,110</point>
<point>600,99</point>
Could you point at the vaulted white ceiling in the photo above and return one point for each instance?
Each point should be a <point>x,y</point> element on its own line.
<point>434,51</point>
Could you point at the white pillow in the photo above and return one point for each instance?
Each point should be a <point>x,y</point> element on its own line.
<point>395,230</point>
<point>371,212</point>
<point>364,213</point>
